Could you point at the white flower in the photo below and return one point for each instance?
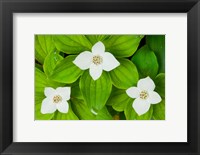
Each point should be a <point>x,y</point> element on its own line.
<point>96,61</point>
<point>144,94</point>
<point>56,99</point>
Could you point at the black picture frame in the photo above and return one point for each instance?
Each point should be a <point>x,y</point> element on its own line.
<point>8,7</point>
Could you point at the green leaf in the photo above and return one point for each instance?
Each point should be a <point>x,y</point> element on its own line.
<point>75,91</point>
<point>95,93</point>
<point>146,62</point>
<point>41,81</point>
<point>39,66</point>
<point>157,44</point>
<point>81,110</point>
<point>122,116</point>
<point>50,62</point>
<point>129,112</point>
<point>159,111</point>
<point>132,115</point>
<point>66,71</point>
<point>84,113</point>
<point>44,45</point>
<point>72,44</point>
<point>111,110</point>
<point>65,116</point>
<point>122,45</point>
<point>125,75</point>
<point>104,114</point>
<point>95,38</point>
<point>119,100</point>
<point>160,84</point>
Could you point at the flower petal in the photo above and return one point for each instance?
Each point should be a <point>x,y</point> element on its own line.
<point>63,107</point>
<point>98,48</point>
<point>83,60</point>
<point>48,106</point>
<point>95,71</point>
<point>109,62</point>
<point>133,92</point>
<point>48,91</point>
<point>141,106</point>
<point>146,84</point>
<point>154,97</point>
<point>64,92</point>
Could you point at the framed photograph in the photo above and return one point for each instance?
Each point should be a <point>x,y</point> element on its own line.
<point>99,77</point>
<point>99,85</point>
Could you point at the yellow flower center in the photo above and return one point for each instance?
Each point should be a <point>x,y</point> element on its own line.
<point>57,99</point>
<point>97,60</point>
<point>144,94</point>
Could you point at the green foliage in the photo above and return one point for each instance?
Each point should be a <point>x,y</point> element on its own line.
<point>41,81</point>
<point>85,113</point>
<point>157,44</point>
<point>75,90</point>
<point>104,114</point>
<point>82,110</point>
<point>44,45</point>
<point>72,44</point>
<point>95,38</point>
<point>122,45</point>
<point>124,76</point>
<point>119,99</point>
<point>65,71</point>
<point>106,97</point>
<point>50,62</point>
<point>95,93</point>
<point>159,111</point>
<point>160,84</point>
<point>146,62</point>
